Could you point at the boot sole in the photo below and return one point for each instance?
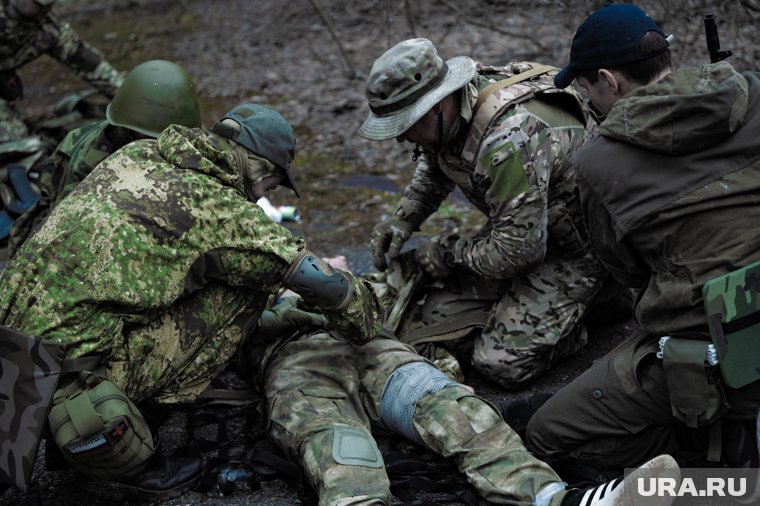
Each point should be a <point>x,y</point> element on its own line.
<point>120,491</point>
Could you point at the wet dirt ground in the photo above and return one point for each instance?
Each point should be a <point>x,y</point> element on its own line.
<point>309,59</point>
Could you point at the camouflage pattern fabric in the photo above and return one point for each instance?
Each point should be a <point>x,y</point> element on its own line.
<point>318,382</point>
<point>12,127</point>
<point>24,40</point>
<point>732,304</point>
<point>29,372</point>
<point>157,261</point>
<point>521,179</point>
<point>79,152</point>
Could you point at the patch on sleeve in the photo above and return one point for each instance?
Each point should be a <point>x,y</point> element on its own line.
<point>503,165</point>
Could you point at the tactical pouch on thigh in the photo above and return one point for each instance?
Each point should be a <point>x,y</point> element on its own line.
<point>29,371</point>
<point>99,430</point>
<point>696,396</point>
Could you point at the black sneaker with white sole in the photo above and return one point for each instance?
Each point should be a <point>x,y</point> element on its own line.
<point>614,493</point>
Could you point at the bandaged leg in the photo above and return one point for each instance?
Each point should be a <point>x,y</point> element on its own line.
<point>316,417</point>
<point>449,420</point>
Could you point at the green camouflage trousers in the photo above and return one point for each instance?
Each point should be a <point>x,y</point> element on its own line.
<point>514,330</point>
<point>174,357</point>
<point>12,127</point>
<point>318,386</point>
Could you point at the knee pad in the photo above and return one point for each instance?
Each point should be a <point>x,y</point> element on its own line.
<point>355,447</point>
<point>403,389</point>
<point>99,430</point>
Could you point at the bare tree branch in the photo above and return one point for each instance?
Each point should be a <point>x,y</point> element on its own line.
<point>498,29</point>
<point>352,72</point>
<point>410,18</point>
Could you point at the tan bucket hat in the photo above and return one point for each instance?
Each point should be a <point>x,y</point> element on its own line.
<point>406,82</point>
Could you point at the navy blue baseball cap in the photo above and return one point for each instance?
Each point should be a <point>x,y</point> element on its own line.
<point>607,38</point>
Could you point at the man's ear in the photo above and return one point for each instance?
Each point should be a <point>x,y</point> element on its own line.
<point>610,80</point>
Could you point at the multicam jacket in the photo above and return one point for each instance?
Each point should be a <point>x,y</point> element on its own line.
<point>23,40</point>
<point>681,204</point>
<point>155,223</point>
<point>518,174</point>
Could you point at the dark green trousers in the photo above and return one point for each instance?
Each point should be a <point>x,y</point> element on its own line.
<point>618,413</point>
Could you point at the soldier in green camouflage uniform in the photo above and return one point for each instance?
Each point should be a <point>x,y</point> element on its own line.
<point>503,135</point>
<point>670,192</point>
<point>29,29</point>
<point>161,261</point>
<point>154,95</point>
<point>324,394</point>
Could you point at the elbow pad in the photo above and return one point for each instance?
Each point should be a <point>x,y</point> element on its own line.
<point>318,284</point>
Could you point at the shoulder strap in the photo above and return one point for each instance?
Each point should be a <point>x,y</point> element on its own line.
<point>517,78</point>
<point>81,364</point>
<point>488,107</point>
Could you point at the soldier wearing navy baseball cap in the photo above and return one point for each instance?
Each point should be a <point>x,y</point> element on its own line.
<point>610,37</point>
<point>675,160</point>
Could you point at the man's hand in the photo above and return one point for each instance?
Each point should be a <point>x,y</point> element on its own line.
<point>389,237</point>
<point>285,318</point>
<point>432,256</point>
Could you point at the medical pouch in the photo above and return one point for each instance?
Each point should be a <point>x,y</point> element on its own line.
<point>98,429</point>
<point>696,397</point>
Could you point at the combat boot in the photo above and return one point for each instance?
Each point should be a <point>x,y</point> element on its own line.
<point>159,478</point>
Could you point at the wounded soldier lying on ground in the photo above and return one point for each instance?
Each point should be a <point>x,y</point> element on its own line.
<point>324,394</point>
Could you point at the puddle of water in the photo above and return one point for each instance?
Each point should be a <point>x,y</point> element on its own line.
<point>371,182</point>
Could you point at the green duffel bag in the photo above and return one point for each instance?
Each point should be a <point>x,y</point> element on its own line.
<point>100,432</point>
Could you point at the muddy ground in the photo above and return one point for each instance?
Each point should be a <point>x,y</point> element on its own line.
<point>309,59</point>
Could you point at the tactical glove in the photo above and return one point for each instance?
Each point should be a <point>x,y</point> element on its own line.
<point>285,318</point>
<point>389,237</point>
<point>435,258</point>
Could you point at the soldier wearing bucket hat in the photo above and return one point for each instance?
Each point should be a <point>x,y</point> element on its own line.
<point>503,135</point>
<point>669,189</point>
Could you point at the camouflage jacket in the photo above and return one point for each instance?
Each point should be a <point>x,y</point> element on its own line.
<point>518,175</point>
<point>23,40</point>
<point>154,223</point>
<point>681,204</point>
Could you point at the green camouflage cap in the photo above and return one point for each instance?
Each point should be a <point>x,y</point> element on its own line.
<point>265,132</point>
<point>406,82</point>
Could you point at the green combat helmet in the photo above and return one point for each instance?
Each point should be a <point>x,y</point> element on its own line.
<point>154,95</point>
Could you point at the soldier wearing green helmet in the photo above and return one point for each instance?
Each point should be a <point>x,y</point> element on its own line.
<point>161,262</point>
<point>154,95</point>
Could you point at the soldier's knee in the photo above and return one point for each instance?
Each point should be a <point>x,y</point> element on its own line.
<point>345,466</point>
<point>537,436</point>
<point>403,389</point>
<point>511,369</point>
